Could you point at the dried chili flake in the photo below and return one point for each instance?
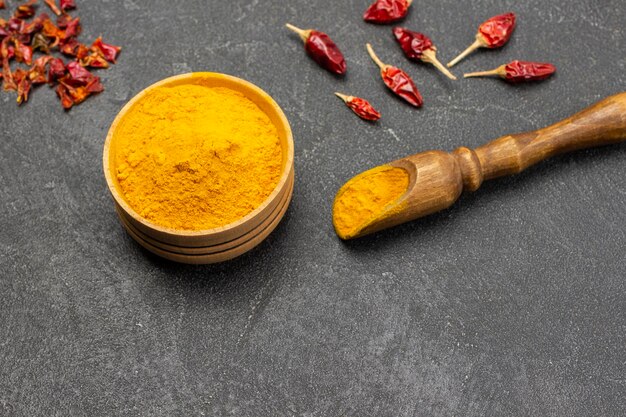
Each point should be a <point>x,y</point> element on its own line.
<point>41,43</point>
<point>25,10</point>
<point>73,28</point>
<point>419,47</point>
<point>63,20</point>
<point>397,81</point>
<point>109,52</point>
<point>492,33</point>
<point>20,38</point>
<point>94,60</point>
<point>37,73</point>
<point>67,5</point>
<point>360,107</point>
<point>78,73</point>
<point>387,11</point>
<point>36,25</point>
<point>64,96</point>
<point>519,71</point>
<point>23,53</point>
<point>52,4</point>
<point>322,49</point>
<point>23,89</point>
<point>56,69</point>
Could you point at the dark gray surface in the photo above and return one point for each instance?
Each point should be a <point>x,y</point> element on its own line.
<point>512,303</point>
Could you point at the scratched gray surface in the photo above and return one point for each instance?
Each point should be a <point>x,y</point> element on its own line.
<point>512,303</point>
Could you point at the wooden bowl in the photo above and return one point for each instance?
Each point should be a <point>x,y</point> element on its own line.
<point>218,244</point>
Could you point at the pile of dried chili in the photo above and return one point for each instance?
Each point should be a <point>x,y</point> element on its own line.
<point>519,71</point>
<point>23,35</point>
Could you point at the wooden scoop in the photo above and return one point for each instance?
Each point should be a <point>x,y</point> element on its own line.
<point>436,179</point>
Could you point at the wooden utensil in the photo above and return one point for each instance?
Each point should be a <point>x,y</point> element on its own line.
<point>436,178</point>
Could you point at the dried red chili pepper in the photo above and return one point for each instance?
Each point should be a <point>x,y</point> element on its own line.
<point>2,4</point>
<point>67,5</point>
<point>52,4</point>
<point>419,47</point>
<point>360,107</point>
<point>397,80</point>
<point>109,52</point>
<point>519,71</point>
<point>322,49</point>
<point>387,11</point>
<point>492,33</point>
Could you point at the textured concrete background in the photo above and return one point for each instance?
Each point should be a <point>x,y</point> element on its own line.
<point>512,303</point>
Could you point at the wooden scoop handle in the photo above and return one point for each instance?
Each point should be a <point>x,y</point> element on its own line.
<point>603,123</point>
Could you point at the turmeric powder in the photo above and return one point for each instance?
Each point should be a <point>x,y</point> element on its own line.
<point>193,157</point>
<point>366,198</point>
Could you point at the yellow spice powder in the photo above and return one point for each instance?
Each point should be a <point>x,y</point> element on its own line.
<point>366,197</point>
<point>193,157</point>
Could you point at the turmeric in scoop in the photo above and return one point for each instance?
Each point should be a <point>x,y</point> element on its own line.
<point>367,198</point>
<point>192,157</point>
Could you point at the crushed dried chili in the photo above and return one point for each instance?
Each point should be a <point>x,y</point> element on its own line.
<point>519,71</point>
<point>360,107</point>
<point>20,38</point>
<point>419,47</point>
<point>321,49</point>
<point>492,33</point>
<point>387,11</point>
<point>397,80</point>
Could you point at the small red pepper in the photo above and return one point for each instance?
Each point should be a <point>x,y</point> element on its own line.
<point>519,71</point>
<point>360,107</point>
<point>322,49</point>
<point>52,4</point>
<point>397,80</point>
<point>419,47</point>
<point>492,33</point>
<point>2,4</point>
<point>387,11</point>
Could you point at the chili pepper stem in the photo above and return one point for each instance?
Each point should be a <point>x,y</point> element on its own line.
<point>498,72</point>
<point>304,34</point>
<point>478,43</point>
<point>430,56</point>
<point>374,57</point>
<point>344,97</point>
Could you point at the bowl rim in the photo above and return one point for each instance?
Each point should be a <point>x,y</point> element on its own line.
<point>287,166</point>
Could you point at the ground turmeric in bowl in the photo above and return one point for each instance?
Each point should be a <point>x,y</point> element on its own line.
<point>193,157</point>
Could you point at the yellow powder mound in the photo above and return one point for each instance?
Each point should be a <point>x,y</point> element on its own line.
<point>366,197</point>
<point>192,157</point>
